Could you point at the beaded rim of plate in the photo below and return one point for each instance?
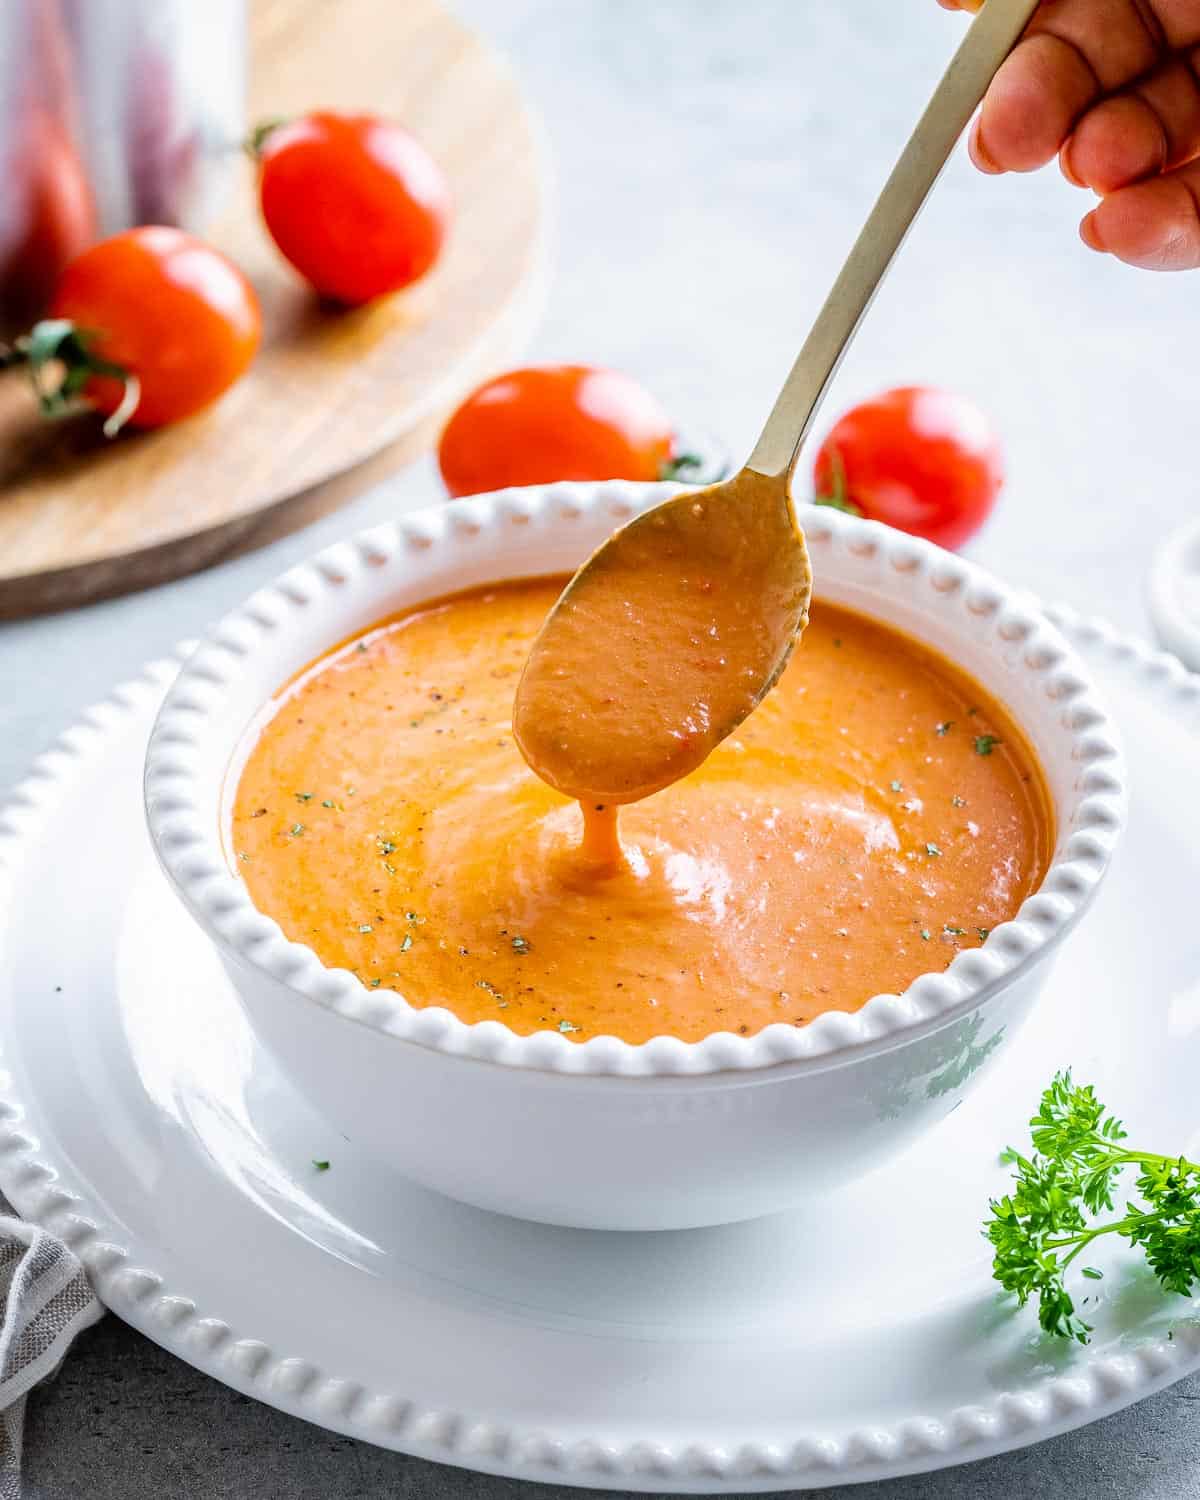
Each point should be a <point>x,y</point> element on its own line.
<point>1102,1384</point>
<point>184,821</point>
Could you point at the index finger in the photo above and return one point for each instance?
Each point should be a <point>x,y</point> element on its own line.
<point>1074,53</point>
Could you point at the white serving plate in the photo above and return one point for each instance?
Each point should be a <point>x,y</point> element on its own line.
<point>858,1338</point>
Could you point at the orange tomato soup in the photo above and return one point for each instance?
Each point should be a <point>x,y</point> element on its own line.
<point>877,813</point>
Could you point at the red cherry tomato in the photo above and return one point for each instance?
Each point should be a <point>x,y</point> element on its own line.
<point>165,308</point>
<point>536,425</point>
<point>356,204</point>
<point>924,461</point>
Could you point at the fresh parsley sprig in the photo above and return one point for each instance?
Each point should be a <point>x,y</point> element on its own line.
<point>1050,1217</point>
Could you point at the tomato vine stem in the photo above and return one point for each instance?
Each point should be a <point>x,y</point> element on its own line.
<point>57,341</point>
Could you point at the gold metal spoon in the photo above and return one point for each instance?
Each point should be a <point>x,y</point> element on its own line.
<point>674,629</point>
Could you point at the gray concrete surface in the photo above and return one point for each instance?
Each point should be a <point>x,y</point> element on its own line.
<point>713,161</point>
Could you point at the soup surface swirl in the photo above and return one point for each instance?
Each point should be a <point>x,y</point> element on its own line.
<point>877,813</point>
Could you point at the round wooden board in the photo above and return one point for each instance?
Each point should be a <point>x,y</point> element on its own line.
<point>351,394</point>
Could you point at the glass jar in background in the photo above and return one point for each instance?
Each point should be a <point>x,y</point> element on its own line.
<point>112,113</point>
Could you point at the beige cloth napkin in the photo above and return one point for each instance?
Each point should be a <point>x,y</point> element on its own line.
<point>45,1300</point>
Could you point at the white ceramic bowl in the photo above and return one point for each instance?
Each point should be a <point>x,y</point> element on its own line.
<point>603,1134</point>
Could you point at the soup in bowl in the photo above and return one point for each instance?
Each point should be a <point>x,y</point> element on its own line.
<point>805,953</point>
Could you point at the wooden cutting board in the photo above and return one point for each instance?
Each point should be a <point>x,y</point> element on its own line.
<point>334,399</point>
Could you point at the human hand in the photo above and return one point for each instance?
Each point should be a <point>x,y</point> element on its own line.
<point>1112,87</point>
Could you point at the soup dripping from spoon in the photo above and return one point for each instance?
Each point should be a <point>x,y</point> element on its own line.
<point>674,630</point>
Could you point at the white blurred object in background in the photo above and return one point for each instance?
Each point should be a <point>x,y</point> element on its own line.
<point>1175,594</point>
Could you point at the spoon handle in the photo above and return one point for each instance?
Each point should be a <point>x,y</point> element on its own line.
<point>992,36</point>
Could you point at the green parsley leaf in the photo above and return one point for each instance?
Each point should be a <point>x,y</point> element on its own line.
<point>520,945</point>
<point>567,1026</point>
<point>1062,1191</point>
<point>944,728</point>
<point>407,943</point>
<point>320,1166</point>
<point>986,743</point>
<point>304,796</point>
<point>932,850</point>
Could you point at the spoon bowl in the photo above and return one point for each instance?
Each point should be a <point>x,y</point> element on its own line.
<point>663,642</point>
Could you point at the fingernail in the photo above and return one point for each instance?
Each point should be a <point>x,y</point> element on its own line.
<point>1068,170</point>
<point>1089,232</point>
<point>978,152</point>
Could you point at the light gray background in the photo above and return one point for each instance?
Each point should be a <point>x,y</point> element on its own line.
<point>713,160</point>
